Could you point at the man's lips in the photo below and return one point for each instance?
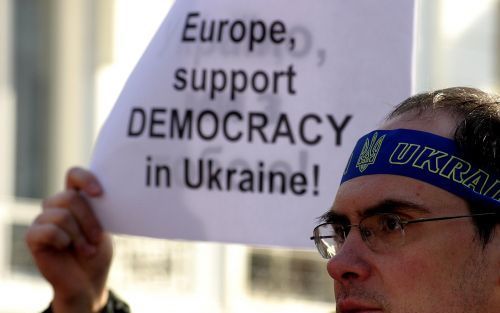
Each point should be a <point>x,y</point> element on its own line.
<point>356,306</point>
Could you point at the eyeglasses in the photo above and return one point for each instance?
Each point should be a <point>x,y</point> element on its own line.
<point>380,232</point>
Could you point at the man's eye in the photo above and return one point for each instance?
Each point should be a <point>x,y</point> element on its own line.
<point>390,223</point>
<point>366,232</point>
<point>338,231</point>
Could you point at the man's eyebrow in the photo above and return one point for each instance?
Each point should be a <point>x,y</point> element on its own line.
<point>394,206</point>
<point>331,216</point>
<point>385,206</point>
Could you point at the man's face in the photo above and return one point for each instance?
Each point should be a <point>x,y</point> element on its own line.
<point>441,267</point>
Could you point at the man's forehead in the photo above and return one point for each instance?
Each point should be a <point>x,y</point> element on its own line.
<point>376,193</point>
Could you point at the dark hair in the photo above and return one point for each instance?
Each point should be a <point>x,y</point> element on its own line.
<point>477,133</point>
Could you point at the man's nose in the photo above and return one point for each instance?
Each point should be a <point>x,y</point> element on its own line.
<point>351,262</point>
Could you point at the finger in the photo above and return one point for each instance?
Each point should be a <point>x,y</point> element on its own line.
<point>66,222</point>
<point>59,200</point>
<point>86,219</point>
<point>76,204</point>
<point>82,179</point>
<point>40,237</point>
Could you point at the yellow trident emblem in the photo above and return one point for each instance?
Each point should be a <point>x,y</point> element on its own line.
<point>369,152</point>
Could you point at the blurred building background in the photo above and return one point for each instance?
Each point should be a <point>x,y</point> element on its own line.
<point>62,65</point>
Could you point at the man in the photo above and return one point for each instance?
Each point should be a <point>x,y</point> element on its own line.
<point>413,227</point>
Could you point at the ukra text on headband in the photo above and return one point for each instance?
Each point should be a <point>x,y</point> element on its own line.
<point>426,157</point>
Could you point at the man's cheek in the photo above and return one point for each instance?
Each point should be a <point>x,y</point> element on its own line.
<point>407,277</point>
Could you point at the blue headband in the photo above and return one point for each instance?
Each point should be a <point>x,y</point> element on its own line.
<point>426,157</point>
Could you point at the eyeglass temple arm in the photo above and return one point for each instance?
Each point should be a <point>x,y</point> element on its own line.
<point>320,237</point>
<point>419,220</point>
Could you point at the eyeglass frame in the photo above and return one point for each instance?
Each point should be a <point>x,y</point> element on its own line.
<point>347,228</point>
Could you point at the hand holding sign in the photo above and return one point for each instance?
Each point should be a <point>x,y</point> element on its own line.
<point>70,248</point>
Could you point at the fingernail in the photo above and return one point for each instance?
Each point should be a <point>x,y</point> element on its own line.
<point>93,189</point>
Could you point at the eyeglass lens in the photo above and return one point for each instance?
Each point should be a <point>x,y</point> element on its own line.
<point>380,232</point>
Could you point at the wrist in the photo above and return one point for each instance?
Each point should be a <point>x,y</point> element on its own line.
<point>79,303</point>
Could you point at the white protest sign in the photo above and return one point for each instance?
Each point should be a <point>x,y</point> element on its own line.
<point>238,119</point>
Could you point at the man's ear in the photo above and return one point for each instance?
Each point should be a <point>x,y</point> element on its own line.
<point>495,246</point>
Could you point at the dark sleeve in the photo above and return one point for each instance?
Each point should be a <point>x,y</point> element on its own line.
<point>114,305</point>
